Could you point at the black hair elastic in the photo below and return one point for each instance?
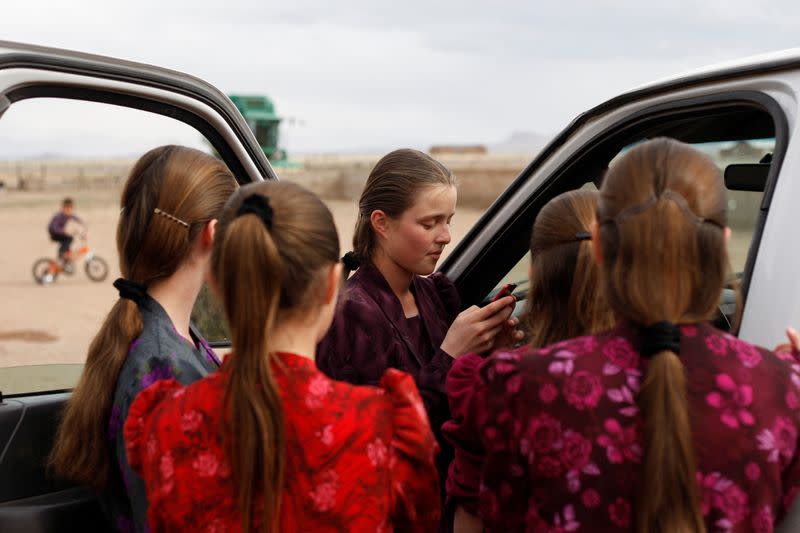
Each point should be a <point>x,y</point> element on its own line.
<point>130,290</point>
<point>350,261</point>
<point>583,236</point>
<point>661,336</point>
<point>258,205</point>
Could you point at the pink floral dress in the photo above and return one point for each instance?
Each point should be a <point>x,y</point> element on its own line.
<point>549,440</point>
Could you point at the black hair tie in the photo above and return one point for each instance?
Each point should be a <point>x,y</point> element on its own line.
<point>258,205</point>
<point>661,336</point>
<point>351,261</point>
<point>130,290</point>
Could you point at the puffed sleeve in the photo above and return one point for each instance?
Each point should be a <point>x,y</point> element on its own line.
<point>466,394</point>
<point>139,420</point>
<point>415,485</point>
<point>138,431</point>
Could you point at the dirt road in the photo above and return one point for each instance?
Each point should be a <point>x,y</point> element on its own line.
<point>54,324</point>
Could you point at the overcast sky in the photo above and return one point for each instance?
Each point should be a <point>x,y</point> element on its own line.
<point>361,75</point>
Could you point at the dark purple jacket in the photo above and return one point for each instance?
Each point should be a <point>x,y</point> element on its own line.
<point>59,221</point>
<point>370,334</point>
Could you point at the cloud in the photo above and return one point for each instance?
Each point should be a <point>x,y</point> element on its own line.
<point>365,73</point>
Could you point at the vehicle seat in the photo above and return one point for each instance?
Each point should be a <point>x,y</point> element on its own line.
<point>73,509</point>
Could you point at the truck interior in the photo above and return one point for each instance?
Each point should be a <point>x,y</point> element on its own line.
<point>748,126</point>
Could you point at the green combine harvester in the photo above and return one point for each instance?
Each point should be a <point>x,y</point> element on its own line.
<point>259,112</point>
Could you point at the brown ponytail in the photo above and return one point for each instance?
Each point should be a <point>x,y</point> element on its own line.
<point>265,271</point>
<point>669,500</point>
<point>392,187</point>
<point>192,187</point>
<point>251,289</point>
<point>566,298</point>
<point>661,215</point>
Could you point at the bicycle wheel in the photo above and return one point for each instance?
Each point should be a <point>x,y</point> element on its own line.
<point>96,269</point>
<point>45,271</point>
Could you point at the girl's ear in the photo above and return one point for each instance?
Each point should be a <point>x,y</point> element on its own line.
<point>208,233</point>
<point>204,243</point>
<point>380,223</point>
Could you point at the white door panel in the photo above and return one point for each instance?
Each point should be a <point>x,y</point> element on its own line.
<point>773,300</point>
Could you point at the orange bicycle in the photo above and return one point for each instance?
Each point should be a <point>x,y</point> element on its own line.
<point>46,269</point>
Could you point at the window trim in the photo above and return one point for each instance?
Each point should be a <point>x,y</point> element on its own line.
<point>99,67</point>
<point>475,281</point>
<point>68,92</point>
<point>166,109</point>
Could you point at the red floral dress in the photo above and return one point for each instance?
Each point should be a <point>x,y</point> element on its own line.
<point>550,440</point>
<point>359,458</point>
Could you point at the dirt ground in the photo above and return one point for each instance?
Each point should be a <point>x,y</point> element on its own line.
<point>55,323</point>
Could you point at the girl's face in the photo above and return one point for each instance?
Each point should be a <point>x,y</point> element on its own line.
<point>416,239</point>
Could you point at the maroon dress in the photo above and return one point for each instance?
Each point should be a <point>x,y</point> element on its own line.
<point>371,333</point>
<point>550,439</point>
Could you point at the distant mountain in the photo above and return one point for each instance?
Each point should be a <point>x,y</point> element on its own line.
<point>70,156</point>
<point>44,156</point>
<point>520,142</point>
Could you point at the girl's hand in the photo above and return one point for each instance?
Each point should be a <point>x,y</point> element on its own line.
<point>510,335</point>
<point>476,328</point>
<point>794,342</point>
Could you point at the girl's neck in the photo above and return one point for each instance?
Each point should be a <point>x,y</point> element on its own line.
<point>177,295</point>
<point>398,278</point>
<point>296,337</point>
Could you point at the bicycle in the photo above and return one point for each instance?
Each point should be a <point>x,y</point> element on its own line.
<point>46,270</point>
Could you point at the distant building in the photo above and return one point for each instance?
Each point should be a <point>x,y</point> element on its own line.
<point>470,149</point>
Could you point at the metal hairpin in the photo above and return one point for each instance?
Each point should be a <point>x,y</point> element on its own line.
<point>164,214</point>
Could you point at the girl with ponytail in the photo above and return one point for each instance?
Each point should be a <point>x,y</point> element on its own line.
<point>662,424</point>
<point>565,300</point>
<point>397,312</point>
<point>170,204</point>
<point>269,443</point>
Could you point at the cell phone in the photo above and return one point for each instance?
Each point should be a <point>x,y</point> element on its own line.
<point>507,290</point>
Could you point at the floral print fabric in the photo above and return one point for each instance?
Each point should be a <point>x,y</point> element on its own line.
<point>371,333</point>
<point>358,458</point>
<point>550,440</point>
<point>159,352</point>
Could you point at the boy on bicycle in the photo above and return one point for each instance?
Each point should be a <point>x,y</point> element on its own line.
<point>57,227</point>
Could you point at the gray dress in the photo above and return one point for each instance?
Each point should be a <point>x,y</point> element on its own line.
<point>160,352</point>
